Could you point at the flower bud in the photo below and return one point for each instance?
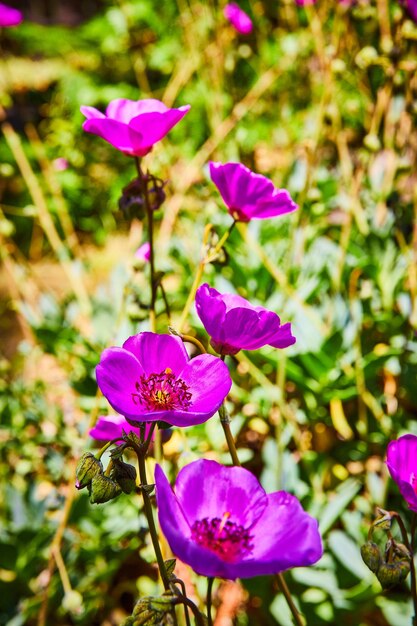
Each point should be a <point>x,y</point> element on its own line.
<point>88,467</point>
<point>371,556</point>
<point>125,476</point>
<point>372,142</point>
<point>73,602</point>
<point>366,57</point>
<point>390,574</point>
<point>103,489</point>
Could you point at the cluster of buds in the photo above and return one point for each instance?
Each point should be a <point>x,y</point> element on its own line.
<point>391,566</point>
<point>132,202</point>
<point>105,485</point>
<point>153,610</point>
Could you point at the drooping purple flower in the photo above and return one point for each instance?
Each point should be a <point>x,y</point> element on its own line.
<point>221,522</point>
<point>152,378</point>
<point>143,253</point>
<point>248,195</point>
<point>402,465</point>
<point>110,427</point>
<point>9,16</point>
<point>131,126</point>
<point>235,324</point>
<point>238,18</point>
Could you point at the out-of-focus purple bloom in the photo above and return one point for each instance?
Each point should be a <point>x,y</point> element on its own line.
<point>238,18</point>
<point>110,427</point>
<point>143,253</point>
<point>222,523</point>
<point>152,378</point>
<point>9,16</point>
<point>402,464</point>
<point>133,127</point>
<point>248,195</point>
<point>302,3</point>
<point>412,8</point>
<point>235,324</point>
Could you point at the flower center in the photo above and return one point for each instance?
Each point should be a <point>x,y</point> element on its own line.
<point>162,392</point>
<point>228,540</point>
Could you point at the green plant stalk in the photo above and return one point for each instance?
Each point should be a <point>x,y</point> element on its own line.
<point>210,582</point>
<point>149,215</point>
<point>410,547</point>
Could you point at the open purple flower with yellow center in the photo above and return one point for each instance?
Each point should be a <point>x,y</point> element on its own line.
<point>131,126</point>
<point>402,464</point>
<point>221,522</point>
<point>248,195</point>
<point>238,18</point>
<point>152,378</point>
<point>9,16</point>
<point>235,324</point>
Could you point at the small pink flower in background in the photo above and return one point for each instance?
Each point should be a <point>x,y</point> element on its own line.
<point>9,16</point>
<point>235,324</point>
<point>248,195</point>
<point>152,378</point>
<point>221,522</point>
<point>131,126</point>
<point>60,164</point>
<point>110,427</point>
<point>402,465</point>
<point>143,253</point>
<point>238,18</point>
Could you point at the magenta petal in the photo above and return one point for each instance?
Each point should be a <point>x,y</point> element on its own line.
<point>402,465</point>
<point>153,126</point>
<point>229,489</point>
<point>157,352</point>
<point>119,135</point>
<point>9,16</point>
<point>91,113</point>
<point>285,536</point>
<point>209,381</point>
<point>210,309</point>
<point>109,427</point>
<point>178,532</point>
<point>238,18</point>
<point>283,337</point>
<point>125,110</point>
<point>117,375</point>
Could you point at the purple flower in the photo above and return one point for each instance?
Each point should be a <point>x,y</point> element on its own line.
<point>222,523</point>
<point>402,464</point>
<point>235,324</point>
<point>248,195</point>
<point>110,427</point>
<point>133,127</point>
<point>238,18</point>
<point>152,378</point>
<point>412,8</point>
<point>143,253</point>
<point>9,16</point>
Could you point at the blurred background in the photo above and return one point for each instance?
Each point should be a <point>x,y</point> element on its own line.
<point>323,100</point>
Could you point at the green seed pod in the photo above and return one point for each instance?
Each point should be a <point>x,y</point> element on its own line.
<point>125,476</point>
<point>88,467</point>
<point>103,489</point>
<point>390,574</point>
<point>371,556</point>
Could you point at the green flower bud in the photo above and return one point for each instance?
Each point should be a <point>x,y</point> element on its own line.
<point>371,556</point>
<point>366,57</point>
<point>125,476</point>
<point>73,602</point>
<point>390,574</point>
<point>103,489</point>
<point>372,142</point>
<point>88,467</point>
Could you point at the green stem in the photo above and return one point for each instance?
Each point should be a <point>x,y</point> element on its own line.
<point>108,444</point>
<point>210,582</point>
<point>287,595</point>
<point>225,422</point>
<point>220,244</point>
<point>149,214</point>
<point>410,547</point>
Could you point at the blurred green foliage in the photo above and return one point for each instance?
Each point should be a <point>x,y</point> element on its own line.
<point>324,101</point>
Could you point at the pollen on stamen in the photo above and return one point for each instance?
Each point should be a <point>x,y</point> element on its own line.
<point>162,392</point>
<point>227,539</point>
